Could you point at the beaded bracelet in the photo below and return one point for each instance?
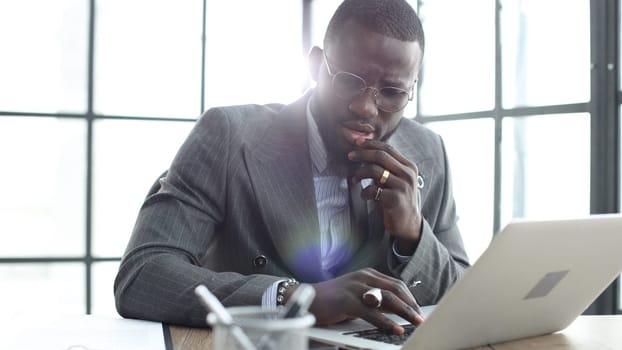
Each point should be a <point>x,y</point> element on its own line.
<point>283,286</point>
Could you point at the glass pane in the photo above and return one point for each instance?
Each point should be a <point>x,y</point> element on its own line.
<point>128,156</point>
<point>546,167</point>
<point>471,150</point>
<point>459,61</point>
<point>545,62</point>
<point>42,289</point>
<point>43,64</point>
<point>264,64</point>
<point>103,282</point>
<point>148,58</point>
<point>42,206</point>
<point>321,12</point>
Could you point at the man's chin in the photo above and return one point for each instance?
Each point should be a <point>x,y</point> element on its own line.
<point>338,148</point>
<point>344,147</point>
<point>339,156</point>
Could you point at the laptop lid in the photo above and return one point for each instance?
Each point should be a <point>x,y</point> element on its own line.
<point>535,278</point>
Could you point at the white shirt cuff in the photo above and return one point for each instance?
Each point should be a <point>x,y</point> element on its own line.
<point>400,258</point>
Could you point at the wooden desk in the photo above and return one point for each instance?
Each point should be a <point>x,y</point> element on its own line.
<point>585,333</point>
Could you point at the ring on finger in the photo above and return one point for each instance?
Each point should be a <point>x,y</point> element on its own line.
<point>385,177</point>
<point>378,193</point>
<point>373,297</point>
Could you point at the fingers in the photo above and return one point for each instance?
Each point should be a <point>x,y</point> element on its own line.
<point>393,303</point>
<point>390,303</point>
<point>379,157</point>
<point>398,289</point>
<point>382,195</point>
<point>381,321</point>
<point>359,294</point>
<point>379,145</point>
<point>381,153</point>
<point>376,172</point>
<point>374,279</point>
<point>373,163</point>
<point>395,188</point>
<point>398,296</point>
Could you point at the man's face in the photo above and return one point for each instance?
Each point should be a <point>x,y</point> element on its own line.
<point>381,62</point>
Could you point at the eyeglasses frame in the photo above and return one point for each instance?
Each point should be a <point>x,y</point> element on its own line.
<point>410,90</point>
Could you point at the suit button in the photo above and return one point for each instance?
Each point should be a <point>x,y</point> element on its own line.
<point>260,261</point>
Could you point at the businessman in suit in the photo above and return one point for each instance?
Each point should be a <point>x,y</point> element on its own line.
<point>336,189</point>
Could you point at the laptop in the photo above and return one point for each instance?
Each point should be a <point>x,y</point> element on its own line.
<point>535,278</point>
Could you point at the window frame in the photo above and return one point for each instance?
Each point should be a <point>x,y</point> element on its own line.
<point>604,108</point>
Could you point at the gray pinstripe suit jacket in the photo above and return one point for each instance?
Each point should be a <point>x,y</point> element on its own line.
<point>240,187</point>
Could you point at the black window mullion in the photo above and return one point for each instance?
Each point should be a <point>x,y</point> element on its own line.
<point>498,121</point>
<point>203,43</point>
<point>605,127</point>
<point>306,35</point>
<point>90,116</point>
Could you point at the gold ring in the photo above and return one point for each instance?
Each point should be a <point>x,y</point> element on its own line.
<point>385,177</point>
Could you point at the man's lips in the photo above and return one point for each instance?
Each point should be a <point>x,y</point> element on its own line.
<point>354,132</point>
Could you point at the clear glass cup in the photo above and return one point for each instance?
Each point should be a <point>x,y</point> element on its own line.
<point>263,327</point>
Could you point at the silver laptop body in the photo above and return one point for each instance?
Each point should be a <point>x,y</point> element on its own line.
<point>535,278</point>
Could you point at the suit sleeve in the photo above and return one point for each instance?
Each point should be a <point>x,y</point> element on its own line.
<point>440,259</point>
<point>175,226</point>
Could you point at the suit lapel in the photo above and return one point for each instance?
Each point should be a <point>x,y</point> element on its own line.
<point>414,148</point>
<point>280,171</point>
<point>411,147</point>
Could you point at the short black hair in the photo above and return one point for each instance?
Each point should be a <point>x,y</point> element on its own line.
<point>392,18</point>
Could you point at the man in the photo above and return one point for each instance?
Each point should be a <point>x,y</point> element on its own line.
<point>258,195</point>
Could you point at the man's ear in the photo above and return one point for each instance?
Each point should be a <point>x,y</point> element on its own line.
<point>315,58</point>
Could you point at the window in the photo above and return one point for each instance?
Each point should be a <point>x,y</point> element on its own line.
<point>549,86</point>
<point>95,104</point>
<point>524,168</point>
<point>459,59</point>
<point>44,186</point>
<point>96,101</point>
<point>128,156</point>
<point>546,176</point>
<point>44,55</point>
<point>254,55</point>
<point>148,58</point>
<point>546,63</point>
<point>472,164</point>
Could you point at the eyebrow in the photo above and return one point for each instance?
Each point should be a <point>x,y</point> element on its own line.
<point>384,82</point>
<point>390,81</point>
<point>395,83</point>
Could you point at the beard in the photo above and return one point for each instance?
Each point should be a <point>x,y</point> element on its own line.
<point>336,146</point>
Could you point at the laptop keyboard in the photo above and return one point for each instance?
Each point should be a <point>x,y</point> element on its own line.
<point>384,336</point>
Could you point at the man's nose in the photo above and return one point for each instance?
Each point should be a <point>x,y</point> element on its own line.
<point>364,105</point>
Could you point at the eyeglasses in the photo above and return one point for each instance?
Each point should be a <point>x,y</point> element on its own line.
<point>348,86</point>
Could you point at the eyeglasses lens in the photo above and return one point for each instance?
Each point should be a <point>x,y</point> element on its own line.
<point>349,86</point>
